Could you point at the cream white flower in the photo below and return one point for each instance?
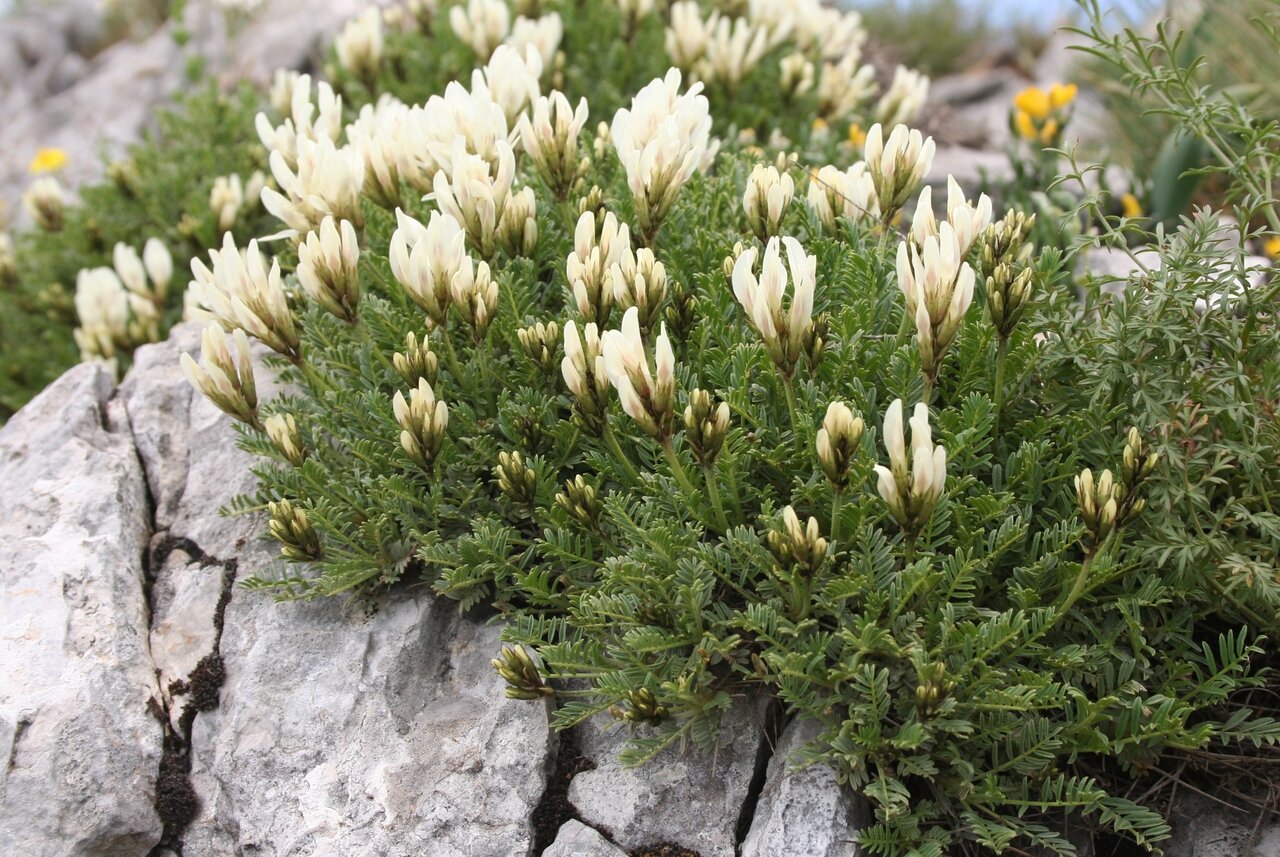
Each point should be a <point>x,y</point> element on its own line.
<point>102,307</point>
<point>359,46</point>
<point>593,255</point>
<point>735,48</point>
<point>225,380</point>
<point>425,260</point>
<point>938,287</point>
<point>517,233</point>
<point>661,141</point>
<point>648,397</point>
<point>44,202</point>
<point>688,35</point>
<point>240,291</point>
<point>475,294</point>
<point>328,269</point>
<point>583,366</point>
<point>542,34</point>
<point>903,100</point>
<point>225,200</point>
<point>785,333</point>
<point>303,120</point>
<point>911,486</point>
<point>476,195</point>
<point>898,166</point>
<point>129,269</point>
<point>795,75</point>
<point>482,24</point>
<point>633,12</point>
<point>843,87</point>
<point>510,79</point>
<point>550,138</point>
<point>280,95</point>
<point>765,201</point>
<point>328,182</point>
<point>159,264</point>
<point>967,219</point>
<point>639,280</point>
<point>851,193</point>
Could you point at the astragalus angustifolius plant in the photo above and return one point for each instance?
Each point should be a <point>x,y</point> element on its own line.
<point>703,422</point>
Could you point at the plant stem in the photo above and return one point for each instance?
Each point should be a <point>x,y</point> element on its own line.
<point>909,547</point>
<point>926,395</point>
<point>1002,356</point>
<point>837,497</point>
<point>611,441</point>
<point>791,404</point>
<point>677,469</point>
<point>451,356</point>
<point>713,491</point>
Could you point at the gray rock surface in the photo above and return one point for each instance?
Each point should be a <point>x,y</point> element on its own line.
<point>691,799</point>
<point>82,748</point>
<point>1205,828</point>
<point>60,88</point>
<point>575,839</point>
<point>803,811</point>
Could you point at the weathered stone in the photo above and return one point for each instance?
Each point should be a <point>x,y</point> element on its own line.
<point>693,799</point>
<point>575,839</point>
<point>1205,828</point>
<point>82,748</point>
<point>969,166</point>
<point>803,811</point>
<point>977,107</point>
<point>354,736</point>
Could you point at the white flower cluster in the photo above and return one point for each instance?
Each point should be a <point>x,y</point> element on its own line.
<point>876,188</point>
<point>120,307</point>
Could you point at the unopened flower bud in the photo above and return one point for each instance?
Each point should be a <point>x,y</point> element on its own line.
<point>416,362</point>
<point>515,479</point>
<point>580,501</point>
<point>797,546</point>
<point>642,707</point>
<point>289,525</point>
<point>423,420</point>
<point>705,426</point>
<point>282,431</point>
<point>517,668</point>
<point>837,443</point>
<point>328,268</point>
<point>769,193</point>
<point>226,381</point>
<point>541,343</point>
<point>124,175</point>
<point>912,484</point>
<point>517,232</point>
<point>475,296</point>
<point>639,280</point>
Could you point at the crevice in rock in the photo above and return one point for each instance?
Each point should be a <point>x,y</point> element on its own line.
<point>663,849</point>
<point>774,721</point>
<point>554,809</point>
<point>19,729</point>
<point>175,799</point>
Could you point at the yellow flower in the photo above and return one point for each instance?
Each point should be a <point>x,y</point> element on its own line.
<point>47,161</point>
<point>819,124</point>
<point>1033,101</point>
<point>1060,95</point>
<point>857,136</point>
<point>1130,205</point>
<point>1049,132</point>
<point>1026,127</point>
<point>1272,247</point>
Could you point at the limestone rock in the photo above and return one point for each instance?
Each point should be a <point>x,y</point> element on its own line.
<point>1203,828</point>
<point>693,800</point>
<point>350,736</point>
<point>803,812</point>
<point>575,839</point>
<point>83,749</point>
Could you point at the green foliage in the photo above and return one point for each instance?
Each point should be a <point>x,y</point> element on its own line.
<point>160,190</point>
<point>984,661</point>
